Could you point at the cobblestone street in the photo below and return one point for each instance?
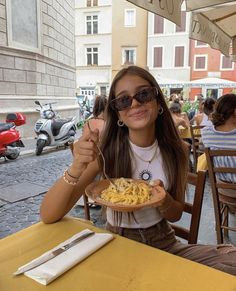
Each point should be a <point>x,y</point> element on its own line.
<point>43,171</point>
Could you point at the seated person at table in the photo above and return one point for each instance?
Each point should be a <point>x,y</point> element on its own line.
<point>222,135</point>
<point>179,118</point>
<point>140,140</point>
<point>98,115</point>
<point>204,118</point>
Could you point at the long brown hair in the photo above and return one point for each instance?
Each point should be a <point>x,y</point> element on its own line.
<point>115,142</point>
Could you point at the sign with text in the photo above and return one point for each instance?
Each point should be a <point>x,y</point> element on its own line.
<point>170,9</point>
<point>204,30</point>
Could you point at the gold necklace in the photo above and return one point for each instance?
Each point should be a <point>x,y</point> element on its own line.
<point>146,174</point>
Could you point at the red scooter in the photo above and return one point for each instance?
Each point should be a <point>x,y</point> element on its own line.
<point>10,142</point>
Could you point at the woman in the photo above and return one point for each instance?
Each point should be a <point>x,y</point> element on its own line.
<point>204,118</point>
<point>180,118</point>
<point>140,141</point>
<point>222,135</point>
<point>97,121</point>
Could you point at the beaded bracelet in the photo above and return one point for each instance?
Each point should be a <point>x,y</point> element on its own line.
<point>67,181</point>
<point>77,178</point>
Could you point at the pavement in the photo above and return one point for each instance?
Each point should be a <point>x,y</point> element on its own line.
<point>24,181</point>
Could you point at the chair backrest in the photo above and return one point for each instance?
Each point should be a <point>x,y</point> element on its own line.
<point>197,144</point>
<point>219,187</point>
<point>198,180</point>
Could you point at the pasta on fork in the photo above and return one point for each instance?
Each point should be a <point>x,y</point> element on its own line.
<point>130,192</point>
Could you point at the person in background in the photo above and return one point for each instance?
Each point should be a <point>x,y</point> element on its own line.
<point>179,118</point>
<point>222,135</point>
<point>140,141</point>
<point>199,109</point>
<point>97,121</point>
<point>204,118</point>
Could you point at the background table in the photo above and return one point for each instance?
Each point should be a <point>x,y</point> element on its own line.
<point>121,265</point>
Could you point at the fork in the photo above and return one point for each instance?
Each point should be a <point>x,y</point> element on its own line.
<point>103,159</point>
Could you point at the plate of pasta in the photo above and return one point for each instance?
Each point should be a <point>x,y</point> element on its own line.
<point>128,195</point>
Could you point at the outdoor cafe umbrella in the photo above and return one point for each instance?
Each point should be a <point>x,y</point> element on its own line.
<point>213,21</point>
<point>212,82</point>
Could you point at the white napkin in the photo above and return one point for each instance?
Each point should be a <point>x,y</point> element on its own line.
<point>53,268</point>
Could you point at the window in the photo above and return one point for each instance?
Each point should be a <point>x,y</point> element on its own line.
<point>158,24</point>
<point>158,55</point>
<point>92,3</point>
<point>92,24</point>
<point>92,56</point>
<point>199,43</point>
<point>130,17</point>
<point>183,23</point>
<point>200,62</point>
<point>226,63</point>
<point>179,56</point>
<point>24,24</point>
<point>129,56</point>
<point>103,90</point>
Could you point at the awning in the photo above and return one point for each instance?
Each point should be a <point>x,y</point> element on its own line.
<point>213,21</point>
<point>212,82</point>
<point>171,83</point>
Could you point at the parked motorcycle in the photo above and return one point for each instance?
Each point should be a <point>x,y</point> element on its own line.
<point>51,130</point>
<point>10,141</point>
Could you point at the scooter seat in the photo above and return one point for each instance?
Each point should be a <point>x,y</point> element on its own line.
<point>57,124</point>
<point>6,126</point>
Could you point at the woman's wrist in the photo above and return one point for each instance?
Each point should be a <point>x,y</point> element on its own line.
<point>166,204</point>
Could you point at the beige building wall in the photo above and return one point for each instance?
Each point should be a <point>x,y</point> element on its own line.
<point>128,37</point>
<point>46,73</point>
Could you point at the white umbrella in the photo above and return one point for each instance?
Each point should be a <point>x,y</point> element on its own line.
<point>213,21</point>
<point>212,82</point>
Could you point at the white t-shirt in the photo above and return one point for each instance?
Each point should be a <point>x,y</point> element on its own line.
<point>149,216</point>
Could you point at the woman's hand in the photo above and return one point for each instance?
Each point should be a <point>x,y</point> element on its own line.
<point>169,208</point>
<point>84,152</point>
<point>158,189</point>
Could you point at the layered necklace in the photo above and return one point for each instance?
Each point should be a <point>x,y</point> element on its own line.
<point>146,174</point>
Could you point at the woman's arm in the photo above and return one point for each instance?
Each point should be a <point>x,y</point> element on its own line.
<point>68,189</point>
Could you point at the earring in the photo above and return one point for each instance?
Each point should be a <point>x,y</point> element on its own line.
<point>120,123</point>
<point>161,110</point>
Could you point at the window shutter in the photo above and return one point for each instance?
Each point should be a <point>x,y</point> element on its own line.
<point>179,56</point>
<point>158,24</point>
<point>183,23</point>
<point>157,57</point>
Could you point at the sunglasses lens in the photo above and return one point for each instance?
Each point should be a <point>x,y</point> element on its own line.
<point>122,103</point>
<point>144,96</point>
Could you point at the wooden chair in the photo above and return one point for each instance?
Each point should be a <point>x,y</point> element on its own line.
<point>191,235</point>
<point>222,202</point>
<point>197,145</point>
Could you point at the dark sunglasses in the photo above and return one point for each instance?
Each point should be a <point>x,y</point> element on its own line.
<point>144,96</point>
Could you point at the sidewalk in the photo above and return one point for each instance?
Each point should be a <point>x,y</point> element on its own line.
<point>30,145</point>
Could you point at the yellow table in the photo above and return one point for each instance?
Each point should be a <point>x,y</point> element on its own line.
<point>121,265</point>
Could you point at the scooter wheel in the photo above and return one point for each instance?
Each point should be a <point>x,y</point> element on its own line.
<point>12,156</point>
<point>39,146</point>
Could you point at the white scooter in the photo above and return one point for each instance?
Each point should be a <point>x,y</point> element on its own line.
<point>51,130</point>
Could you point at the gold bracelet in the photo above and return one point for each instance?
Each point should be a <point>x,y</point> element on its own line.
<point>67,181</point>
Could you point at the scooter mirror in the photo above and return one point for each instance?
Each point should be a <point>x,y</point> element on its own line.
<point>37,102</point>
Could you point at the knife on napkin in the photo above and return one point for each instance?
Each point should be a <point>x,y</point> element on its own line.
<point>53,254</point>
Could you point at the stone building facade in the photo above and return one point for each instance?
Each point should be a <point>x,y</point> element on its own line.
<point>37,58</point>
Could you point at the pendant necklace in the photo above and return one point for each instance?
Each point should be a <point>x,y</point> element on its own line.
<point>146,174</point>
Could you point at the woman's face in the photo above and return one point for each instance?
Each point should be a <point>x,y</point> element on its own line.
<point>138,116</point>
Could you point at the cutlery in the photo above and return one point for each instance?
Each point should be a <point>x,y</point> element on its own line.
<point>53,254</point>
<point>103,159</point>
